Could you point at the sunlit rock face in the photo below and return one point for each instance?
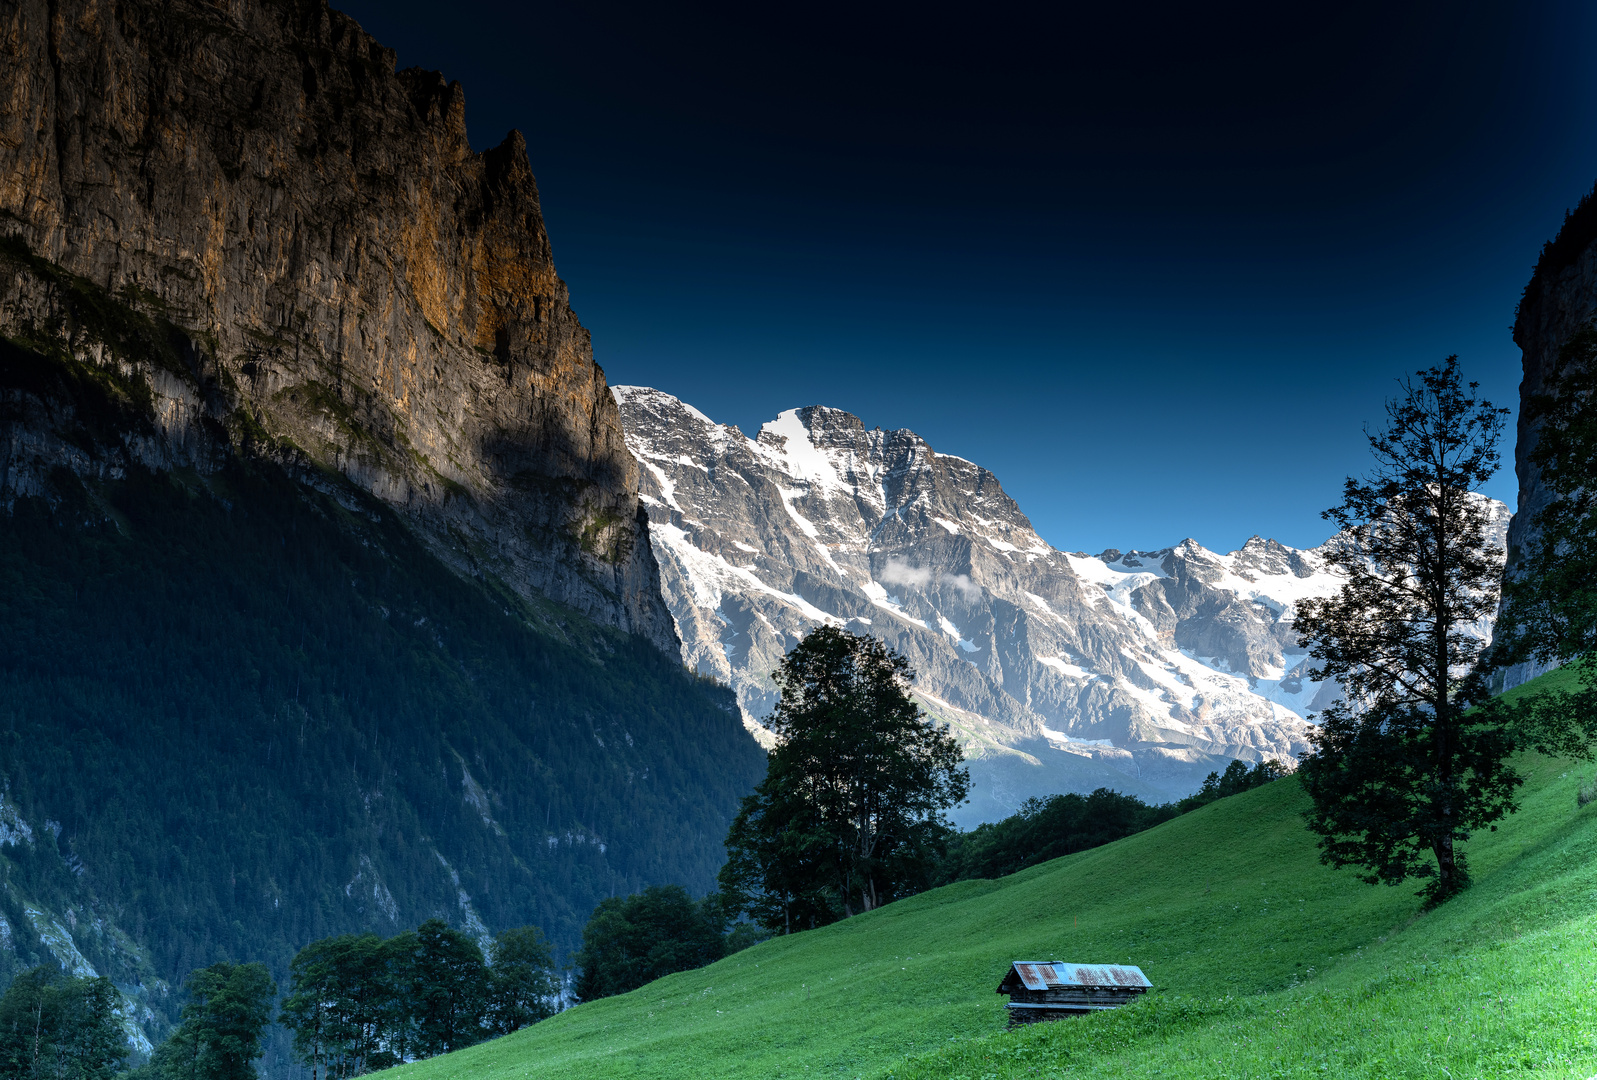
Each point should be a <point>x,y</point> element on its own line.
<point>355,288</point>
<point>1141,671</point>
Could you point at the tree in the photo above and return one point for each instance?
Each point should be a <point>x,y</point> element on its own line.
<point>850,813</point>
<point>358,1004</point>
<point>224,1019</point>
<point>633,940</point>
<point>521,983</point>
<point>60,1028</point>
<point>1402,768</point>
<point>1550,593</point>
<point>447,983</point>
<point>342,1008</point>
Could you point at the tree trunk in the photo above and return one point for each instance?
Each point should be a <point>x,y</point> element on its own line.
<point>38,1024</point>
<point>1446,868</point>
<point>1442,846</point>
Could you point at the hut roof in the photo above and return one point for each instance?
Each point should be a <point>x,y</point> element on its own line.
<point>1058,975</point>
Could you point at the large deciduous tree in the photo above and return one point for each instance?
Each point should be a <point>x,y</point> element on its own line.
<point>850,813</point>
<point>345,1004</point>
<point>448,984</point>
<point>1550,593</point>
<point>1402,768</point>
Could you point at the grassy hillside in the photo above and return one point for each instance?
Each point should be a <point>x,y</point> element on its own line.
<point>1266,963</point>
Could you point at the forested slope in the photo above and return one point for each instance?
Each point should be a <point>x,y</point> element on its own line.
<point>239,712</point>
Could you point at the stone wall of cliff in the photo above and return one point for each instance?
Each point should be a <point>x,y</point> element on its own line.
<point>324,271</point>
<point>1560,298</point>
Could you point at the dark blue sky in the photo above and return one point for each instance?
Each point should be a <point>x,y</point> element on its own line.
<point>1152,265</point>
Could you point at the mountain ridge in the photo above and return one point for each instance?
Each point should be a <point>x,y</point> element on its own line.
<point>1058,671</point>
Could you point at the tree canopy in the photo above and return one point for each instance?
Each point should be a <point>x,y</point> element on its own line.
<point>1046,829</point>
<point>1236,779</point>
<point>850,813</point>
<point>224,1021</point>
<point>358,1003</point>
<point>1402,769</point>
<point>60,1028</point>
<point>522,988</point>
<point>632,940</point>
<point>343,1004</point>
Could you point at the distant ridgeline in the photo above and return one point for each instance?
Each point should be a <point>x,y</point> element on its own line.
<point>325,605</point>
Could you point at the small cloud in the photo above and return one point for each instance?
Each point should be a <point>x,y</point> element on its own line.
<point>899,572</point>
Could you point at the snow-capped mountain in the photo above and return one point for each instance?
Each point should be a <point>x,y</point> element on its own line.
<point>1141,671</point>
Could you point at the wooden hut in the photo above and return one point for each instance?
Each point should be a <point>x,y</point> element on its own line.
<point>1049,989</point>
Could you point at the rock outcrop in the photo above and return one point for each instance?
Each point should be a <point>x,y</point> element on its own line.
<point>240,215</point>
<point>1141,671</point>
<point>1560,298</point>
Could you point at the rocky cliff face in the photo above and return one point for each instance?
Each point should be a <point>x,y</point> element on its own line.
<point>1560,298</point>
<point>242,217</point>
<point>1141,671</point>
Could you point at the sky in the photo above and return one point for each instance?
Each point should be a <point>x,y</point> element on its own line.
<point>1155,266</point>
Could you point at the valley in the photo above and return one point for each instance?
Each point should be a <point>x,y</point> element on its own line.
<point>342,592</point>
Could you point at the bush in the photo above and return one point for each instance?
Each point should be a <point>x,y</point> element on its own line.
<point>743,935</point>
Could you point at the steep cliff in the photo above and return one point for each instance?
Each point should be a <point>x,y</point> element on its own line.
<point>320,269</point>
<point>1560,298</point>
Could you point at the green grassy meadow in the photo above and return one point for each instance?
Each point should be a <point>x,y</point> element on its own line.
<point>1266,964</point>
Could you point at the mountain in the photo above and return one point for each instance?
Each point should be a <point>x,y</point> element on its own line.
<point>326,596</point>
<point>1137,670</point>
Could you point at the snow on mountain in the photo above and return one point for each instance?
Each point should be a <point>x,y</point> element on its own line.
<point>1141,671</point>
